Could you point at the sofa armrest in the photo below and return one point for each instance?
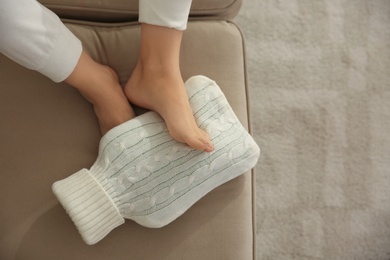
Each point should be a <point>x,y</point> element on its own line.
<point>127,10</point>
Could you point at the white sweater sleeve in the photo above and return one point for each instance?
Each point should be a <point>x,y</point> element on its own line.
<point>168,13</point>
<point>34,37</point>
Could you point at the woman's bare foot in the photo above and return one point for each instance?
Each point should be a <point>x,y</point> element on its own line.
<point>113,108</point>
<point>99,84</point>
<point>156,84</point>
<point>166,94</point>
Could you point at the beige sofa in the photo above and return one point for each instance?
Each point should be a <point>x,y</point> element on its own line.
<point>49,131</point>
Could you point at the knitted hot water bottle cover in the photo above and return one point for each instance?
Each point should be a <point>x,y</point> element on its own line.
<point>144,175</point>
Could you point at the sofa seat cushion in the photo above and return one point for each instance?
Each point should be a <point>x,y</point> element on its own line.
<point>49,131</point>
<point>127,10</point>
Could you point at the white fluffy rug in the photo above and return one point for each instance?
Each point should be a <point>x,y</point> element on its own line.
<point>319,74</point>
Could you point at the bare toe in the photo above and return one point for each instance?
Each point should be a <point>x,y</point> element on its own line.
<point>196,138</point>
<point>199,144</point>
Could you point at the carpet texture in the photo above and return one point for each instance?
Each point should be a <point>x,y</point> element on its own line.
<point>319,75</point>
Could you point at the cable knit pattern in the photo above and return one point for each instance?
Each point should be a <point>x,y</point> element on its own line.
<point>143,174</point>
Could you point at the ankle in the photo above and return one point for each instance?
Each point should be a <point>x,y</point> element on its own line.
<point>156,70</point>
<point>160,47</point>
<point>102,86</point>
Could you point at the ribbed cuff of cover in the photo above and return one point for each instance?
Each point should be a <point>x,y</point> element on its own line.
<point>89,206</point>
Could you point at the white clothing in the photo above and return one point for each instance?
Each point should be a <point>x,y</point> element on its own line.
<point>34,37</point>
<point>168,13</point>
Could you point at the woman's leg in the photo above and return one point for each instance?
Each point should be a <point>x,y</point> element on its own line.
<point>156,82</point>
<point>34,37</point>
<point>99,84</point>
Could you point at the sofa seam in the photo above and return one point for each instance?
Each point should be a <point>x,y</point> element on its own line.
<point>250,130</point>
